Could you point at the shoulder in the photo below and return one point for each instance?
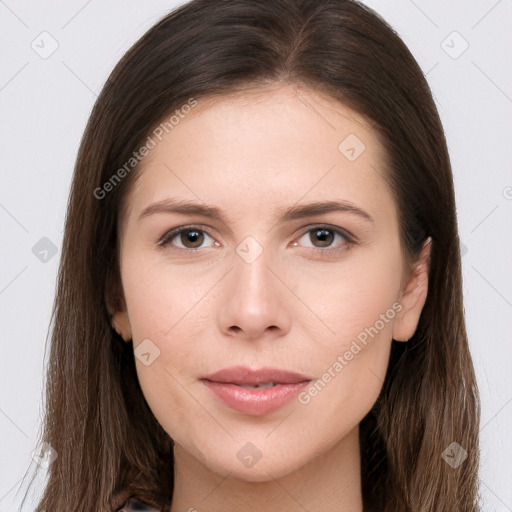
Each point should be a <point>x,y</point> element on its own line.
<point>133,505</point>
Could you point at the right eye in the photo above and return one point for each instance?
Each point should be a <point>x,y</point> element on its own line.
<point>187,238</point>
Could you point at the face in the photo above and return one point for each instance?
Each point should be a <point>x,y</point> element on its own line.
<point>298,267</point>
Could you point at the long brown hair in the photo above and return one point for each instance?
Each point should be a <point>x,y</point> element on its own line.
<point>109,445</point>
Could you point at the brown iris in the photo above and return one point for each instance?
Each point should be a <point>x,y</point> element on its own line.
<point>192,236</point>
<point>324,236</point>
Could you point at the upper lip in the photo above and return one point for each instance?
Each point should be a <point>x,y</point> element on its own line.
<point>244,376</point>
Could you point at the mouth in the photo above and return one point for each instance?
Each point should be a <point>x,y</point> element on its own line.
<point>255,392</point>
<point>256,378</point>
<point>258,386</point>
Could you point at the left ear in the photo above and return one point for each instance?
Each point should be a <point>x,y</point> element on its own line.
<point>413,297</point>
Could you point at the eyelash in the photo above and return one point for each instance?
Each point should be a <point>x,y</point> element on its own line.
<point>167,238</point>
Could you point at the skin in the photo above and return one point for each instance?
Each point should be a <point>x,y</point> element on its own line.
<point>294,307</point>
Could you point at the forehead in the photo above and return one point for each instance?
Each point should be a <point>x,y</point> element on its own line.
<point>266,148</point>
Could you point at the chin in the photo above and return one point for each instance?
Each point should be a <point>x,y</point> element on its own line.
<point>259,469</point>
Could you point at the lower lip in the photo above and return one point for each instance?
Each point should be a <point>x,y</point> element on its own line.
<point>257,401</point>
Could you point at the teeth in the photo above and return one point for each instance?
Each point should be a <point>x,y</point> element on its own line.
<point>262,385</point>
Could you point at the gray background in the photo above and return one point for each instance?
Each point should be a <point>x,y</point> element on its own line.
<point>45,100</point>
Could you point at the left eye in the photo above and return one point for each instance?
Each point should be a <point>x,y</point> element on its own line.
<point>324,237</point>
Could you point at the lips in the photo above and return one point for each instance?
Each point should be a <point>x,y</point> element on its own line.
<point>255,392</point>
<point>244,376</point>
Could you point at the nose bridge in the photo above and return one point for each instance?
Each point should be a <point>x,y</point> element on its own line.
<point>253,301</point>
<point>253,279</point>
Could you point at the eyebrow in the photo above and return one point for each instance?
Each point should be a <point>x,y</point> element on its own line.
<point>187,207</point>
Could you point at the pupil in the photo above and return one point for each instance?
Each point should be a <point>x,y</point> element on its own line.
<point>192,236</point>
<point>325,236</point>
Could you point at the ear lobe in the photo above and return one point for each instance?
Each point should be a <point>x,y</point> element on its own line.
<point>413,297</point>
<point>116,308</point>
<point>121,325</point>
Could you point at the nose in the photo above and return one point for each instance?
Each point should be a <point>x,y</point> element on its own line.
<point>255,301</point>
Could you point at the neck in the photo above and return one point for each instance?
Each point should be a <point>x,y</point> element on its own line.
<point>331,482</point>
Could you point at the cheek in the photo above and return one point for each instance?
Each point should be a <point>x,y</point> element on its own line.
<point>358,305</point>
<point>171,308</point>
<point>339,400</point>
<point>161,299</point>
<point>355,299</point>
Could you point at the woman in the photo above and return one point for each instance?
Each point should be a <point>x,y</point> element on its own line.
<point>259,302</point>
